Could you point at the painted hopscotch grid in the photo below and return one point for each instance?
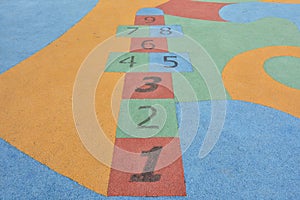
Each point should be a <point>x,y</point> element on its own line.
<point>147,123</point>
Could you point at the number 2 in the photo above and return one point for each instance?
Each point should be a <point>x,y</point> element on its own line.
<point>154,111</point>
<point>148,172</point>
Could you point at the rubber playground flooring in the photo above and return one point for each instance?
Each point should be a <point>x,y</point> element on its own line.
<point>174,99</point>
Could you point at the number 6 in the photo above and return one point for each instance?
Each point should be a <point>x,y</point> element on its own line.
<point>148,44</point>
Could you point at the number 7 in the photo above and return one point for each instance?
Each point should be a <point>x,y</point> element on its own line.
<point>135,29</point>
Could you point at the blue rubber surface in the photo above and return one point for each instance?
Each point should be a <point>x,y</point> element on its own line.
<point>253,11</point>
<point>21,177</point>
<point>256,157</point>
<point>45,22</point>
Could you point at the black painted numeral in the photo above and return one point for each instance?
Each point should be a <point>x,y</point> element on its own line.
<point>153,114</point>
<point>134,29</point>
<point>148,172</point>
<point>165,31</point>
<point>126,61</point>
<point>149,19</point>
<point>148,44</point>
<point>168,59</point>
<point>151,85</point>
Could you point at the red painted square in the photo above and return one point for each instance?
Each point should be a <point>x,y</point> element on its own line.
<point>148,45</point>
<point>129,162</point>
<point>148,85</point>
<point>150,20</point>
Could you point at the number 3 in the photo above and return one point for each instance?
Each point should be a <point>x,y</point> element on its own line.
<point>152,85</point>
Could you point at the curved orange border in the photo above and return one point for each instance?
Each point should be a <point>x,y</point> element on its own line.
<point>36,95</point>
<point>245,79</point>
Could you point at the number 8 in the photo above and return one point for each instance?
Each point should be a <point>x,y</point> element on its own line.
<point>165,31</point>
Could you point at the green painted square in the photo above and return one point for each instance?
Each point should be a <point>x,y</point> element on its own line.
<point>127,62</point>
<point>205,82</point>
<point>134,118</point>
<point>190,87</point>
<point>133,31</point>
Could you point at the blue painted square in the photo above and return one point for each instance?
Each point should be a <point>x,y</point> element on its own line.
<point>166,31</point>
<point>149,12</point>
<point>170,62</point>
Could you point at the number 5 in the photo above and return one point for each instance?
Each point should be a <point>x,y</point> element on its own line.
<point>168,59</point>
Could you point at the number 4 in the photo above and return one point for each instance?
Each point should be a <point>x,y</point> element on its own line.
<point>131,62</point>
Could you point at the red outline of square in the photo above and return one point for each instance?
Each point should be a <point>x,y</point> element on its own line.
<point>135,79</point>
<point>172,176</point>
<point>140,20</point>
<point>161,45</point>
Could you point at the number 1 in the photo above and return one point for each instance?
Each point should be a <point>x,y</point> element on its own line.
<point>148,173</point>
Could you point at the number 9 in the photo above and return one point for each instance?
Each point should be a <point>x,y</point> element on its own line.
<point>149,19</point>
